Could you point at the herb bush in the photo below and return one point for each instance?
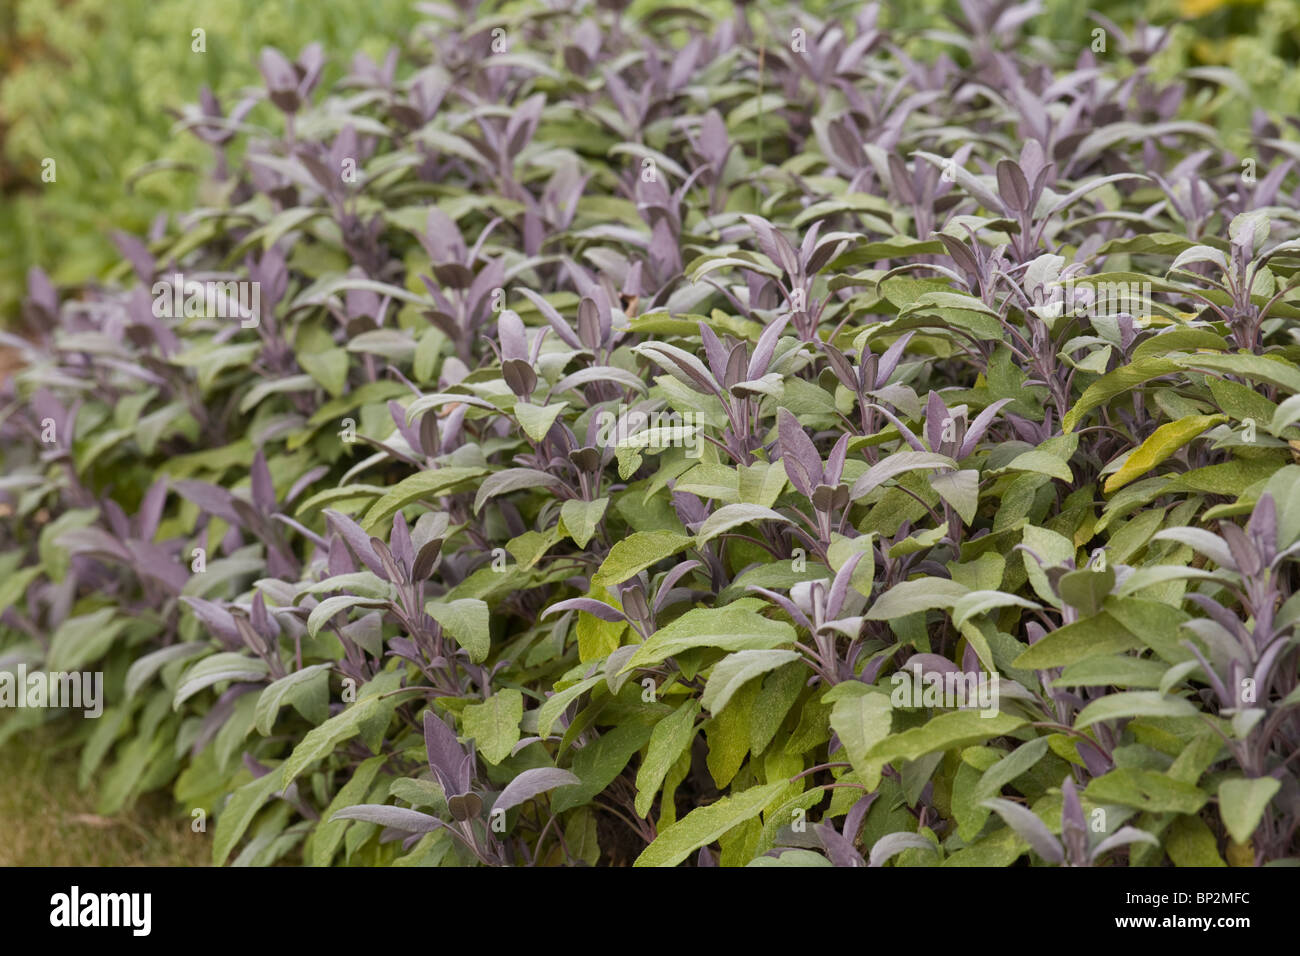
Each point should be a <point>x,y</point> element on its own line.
<point>95,83</point>
<point>636,414</point>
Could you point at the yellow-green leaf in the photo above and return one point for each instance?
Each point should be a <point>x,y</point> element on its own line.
<point>959,728</point>
<point>1162,443</point>
<point>579,519</point>
<point>703,825</point>
<point>494,724</point>
<point>536,420</point>
<point>1242,804</point>
<point>425,484</point>
<point>637,552</point>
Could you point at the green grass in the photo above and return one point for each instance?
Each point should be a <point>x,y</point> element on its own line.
<point>46,821</point>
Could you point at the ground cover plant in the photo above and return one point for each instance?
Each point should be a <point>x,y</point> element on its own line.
<point>664,439</point>
<point>95,85</point>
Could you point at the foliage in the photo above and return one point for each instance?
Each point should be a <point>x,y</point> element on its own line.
<point>92,83</point>
<point>657,445</point>
<point>94,86</point>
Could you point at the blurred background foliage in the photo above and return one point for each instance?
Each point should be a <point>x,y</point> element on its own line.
<point>89,83</point>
